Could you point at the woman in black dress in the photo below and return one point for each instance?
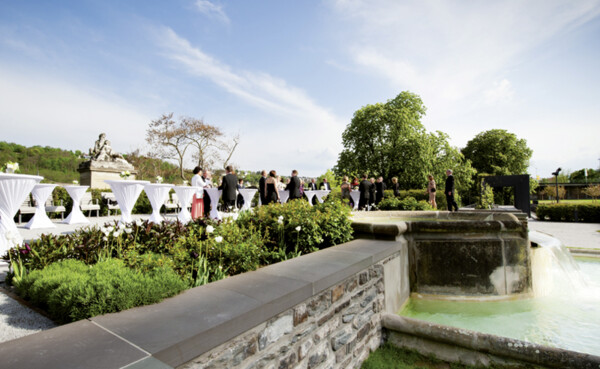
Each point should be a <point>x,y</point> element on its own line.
<point>271,193</point>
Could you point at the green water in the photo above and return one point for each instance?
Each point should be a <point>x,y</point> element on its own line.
<point>568,318</point>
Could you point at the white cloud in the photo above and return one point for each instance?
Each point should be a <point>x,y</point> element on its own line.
<point>212,10</point>
<point>500,93</point>
<point>293,118</point>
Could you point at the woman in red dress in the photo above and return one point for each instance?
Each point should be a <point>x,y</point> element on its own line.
<point>198,201</point>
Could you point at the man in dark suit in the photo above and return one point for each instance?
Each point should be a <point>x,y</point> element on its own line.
<point>312,186</point>
<point>325,185</point>
<point>449,191</point>
<point>229,188</point>
<point>365,192</point>
<point>294,186</point>
<point>372,191</point>
<point>261,186</point>
<point>240,198</point>
<point>380,187</point>
<point>207,183</point>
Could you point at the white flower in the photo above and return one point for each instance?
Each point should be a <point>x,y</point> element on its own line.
<point>185,183</point>
<point>235,216</point>
<point>13,166</point>
<point>122,226</point>
<point>210,229</point>
<point>75,182</point>
<point>139,222</point>
<point>298,229</point>
<point>105,238</point>
<point>117,233</point>
<point>280,219</point>
<point>13,237</point>
<point>219,239</point>
<point>159,179</point>
<point>128,230</point>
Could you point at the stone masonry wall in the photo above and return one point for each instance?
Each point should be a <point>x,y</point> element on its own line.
<point>336,328</point>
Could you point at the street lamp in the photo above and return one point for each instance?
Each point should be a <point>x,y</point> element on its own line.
<point>555,174</point>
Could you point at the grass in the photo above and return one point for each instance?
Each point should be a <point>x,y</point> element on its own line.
<point>580,201</point>
<point>392,357</point>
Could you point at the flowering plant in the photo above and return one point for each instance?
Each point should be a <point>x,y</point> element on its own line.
<point>159,179</point>
<point>10,167</point>
<point>125,174</point>
<point>75,182</point>
<point>185,183</point>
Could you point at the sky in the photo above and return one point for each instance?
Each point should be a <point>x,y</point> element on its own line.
<point>287,76</point>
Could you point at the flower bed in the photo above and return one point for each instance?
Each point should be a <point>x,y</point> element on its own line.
<point>198,253</point>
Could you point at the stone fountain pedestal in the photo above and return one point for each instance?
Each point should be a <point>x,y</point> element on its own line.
<point>93,173</point>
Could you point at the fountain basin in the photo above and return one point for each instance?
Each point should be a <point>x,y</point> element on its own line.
<point>464,255</point>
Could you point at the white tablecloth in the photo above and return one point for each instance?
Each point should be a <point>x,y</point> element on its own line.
<point>321,194</point>
<point>214,194</point>
<point>76,216</point>
<point>41,192</point>
<point>355,194</point>
<point>14,188</point>
<point>185,195</point>
<point>126,192</point>
<point>309,195</point>
<point>284,195</point>
<point>248,195</point>
<point>157,194</point>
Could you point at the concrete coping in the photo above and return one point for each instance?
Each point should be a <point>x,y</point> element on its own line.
<point>175,331</point>
<point>488,343</point>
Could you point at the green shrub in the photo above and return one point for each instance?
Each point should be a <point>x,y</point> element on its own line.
<point>69,290</point>
<point>589,213</point>
<point>407,203</point>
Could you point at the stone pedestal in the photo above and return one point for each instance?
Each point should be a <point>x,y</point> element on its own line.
<point>93,173</point>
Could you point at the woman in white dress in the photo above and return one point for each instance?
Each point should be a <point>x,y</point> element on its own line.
<point>198,202</point>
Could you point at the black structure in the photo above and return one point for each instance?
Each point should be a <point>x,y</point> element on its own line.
<point>520,183</point>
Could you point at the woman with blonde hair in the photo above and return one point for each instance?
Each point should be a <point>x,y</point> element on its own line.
<point>431,191</point>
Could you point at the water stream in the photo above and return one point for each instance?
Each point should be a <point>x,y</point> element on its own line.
<point>564,313</point>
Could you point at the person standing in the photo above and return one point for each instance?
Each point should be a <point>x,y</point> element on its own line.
<point>431,191</point>
<point>197,200</point>
<point>271,192</point>
<point>380,187</point>
<point>240,198</point>
<point>372,191</point>
<point>346,189</point>
<point>312,186</point>
<point>450,192</point>
<point>396,186</point>
<point>325,185</point>
<point>294,186</point>
<point>261,187</point>
<point>365,192</point>
<point>229,187</point>
<point>207,184</point>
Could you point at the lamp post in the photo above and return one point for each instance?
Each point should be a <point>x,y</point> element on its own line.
<point>555,174</point>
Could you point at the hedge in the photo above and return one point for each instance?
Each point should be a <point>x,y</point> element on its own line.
<point>589,213</point>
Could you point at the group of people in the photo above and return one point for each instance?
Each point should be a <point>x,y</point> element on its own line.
<point>372,191</point>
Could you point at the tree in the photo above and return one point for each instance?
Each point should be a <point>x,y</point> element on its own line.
<point>592,191</point>
<point>550,191</point>
<point>169,139</point>
<point>498,152</point>
<point>389,140</point>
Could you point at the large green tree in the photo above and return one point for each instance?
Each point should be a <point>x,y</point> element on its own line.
<point>498,152</point>
<point>389,140</point>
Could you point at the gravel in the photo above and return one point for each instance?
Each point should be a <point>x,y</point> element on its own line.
<point>17,320</point>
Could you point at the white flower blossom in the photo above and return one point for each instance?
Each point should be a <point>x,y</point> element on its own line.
<point>210,229</point>
<point>234,216</point>
<point>139,222</point>
<point>219,239</point>
<point>105,238</point>
<point>117,233</point>
<point>128,230</point>
<point>298,229</point>
<point>13,237</point>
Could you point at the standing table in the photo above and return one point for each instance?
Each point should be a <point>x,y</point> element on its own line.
<point>320,194</point>
<point>355,194</point>
<point>248,195</point>
<point>185,194</point>
<point>41,192</point>
<point>76,216</point>
<point>14,188</point>
<point>214,194</point>
<point>126,192</point>
<point>284,195</point>
<point>309,195</point>
<point>157,194</point>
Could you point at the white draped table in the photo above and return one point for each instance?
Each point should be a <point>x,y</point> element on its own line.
<point>76,216</point>
<point>248,195</point>
<point>309,195</point>
<point>185,195</point>
<point>41,192</point>
<point>157,194</point>
<point>320,194</point>
<point>284,195</point>
<point>214,194</point>
<point>14,188</point>
<point>355,195</point>
<point>126,192</point>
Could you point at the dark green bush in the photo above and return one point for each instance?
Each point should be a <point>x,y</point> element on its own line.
<point>407,203</point>
<point>589,213</point>
<point>70,290</point>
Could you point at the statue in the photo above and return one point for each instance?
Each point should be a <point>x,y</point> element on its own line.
<point>102,151</point>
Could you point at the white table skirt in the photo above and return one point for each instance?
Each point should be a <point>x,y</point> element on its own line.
<point>14,188</point>
<point>76,216</point>
<point>185,195</point>
<point>284,195</point>
<point>355,195</point>
<point>41,192</point>
<point>309,195</point>
<point>214,194</point>
<point>248,195</point>
<point>157,194</point>
<point>320,194</point>
<point>126,192</point>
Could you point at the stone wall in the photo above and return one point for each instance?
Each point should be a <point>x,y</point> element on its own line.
<point>337,328</point>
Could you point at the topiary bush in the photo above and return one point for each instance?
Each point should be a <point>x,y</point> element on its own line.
<point>70,290</point>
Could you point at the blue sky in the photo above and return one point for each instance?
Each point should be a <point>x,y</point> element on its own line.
<point>287,76</point>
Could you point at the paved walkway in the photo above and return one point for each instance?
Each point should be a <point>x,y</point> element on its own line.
<point>578,235</point>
